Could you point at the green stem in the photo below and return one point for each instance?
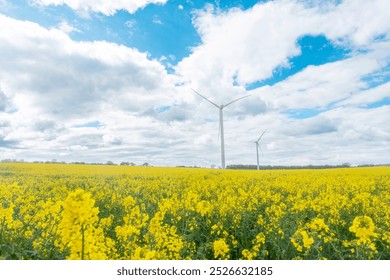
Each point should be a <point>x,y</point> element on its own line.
<point>2,230</point>
<point>82,242</point>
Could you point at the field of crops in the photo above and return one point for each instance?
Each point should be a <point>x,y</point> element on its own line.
<point>55,211</point>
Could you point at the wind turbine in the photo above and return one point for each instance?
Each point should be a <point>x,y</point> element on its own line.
<point>220,107</point>
<point>257,149</point>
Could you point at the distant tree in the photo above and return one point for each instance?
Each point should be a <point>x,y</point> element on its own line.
<point>145,164</point>
<point>109,163</point>
<point>126,163</point>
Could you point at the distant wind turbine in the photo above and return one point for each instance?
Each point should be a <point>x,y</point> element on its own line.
<point>257,149</point>
<point>220,107</point>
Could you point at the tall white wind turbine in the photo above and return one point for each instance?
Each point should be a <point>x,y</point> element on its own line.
<point>220,107</point>
<point>257,149</point>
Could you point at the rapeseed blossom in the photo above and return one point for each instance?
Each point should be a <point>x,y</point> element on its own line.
<point>79,227</point>
<point>364,229</point>
<point>301,240</point>
<point>119,212</point>
<point>221,249</point>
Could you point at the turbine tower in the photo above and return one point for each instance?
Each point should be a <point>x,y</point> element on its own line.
<point>220,107</point>
<point>257,149</point>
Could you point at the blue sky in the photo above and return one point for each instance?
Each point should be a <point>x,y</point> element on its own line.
<point>104,80</point>
<point>315,50</point>
<point>161,30</point>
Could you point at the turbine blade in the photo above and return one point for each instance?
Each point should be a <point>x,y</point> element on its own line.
<point>260,136</point>
<point>261,150</point>
<point>205,98</point>
<point>236,100</point>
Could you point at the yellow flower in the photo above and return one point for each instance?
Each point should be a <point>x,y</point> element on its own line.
<point>221,249</point>
<point>386,239</point>
<point>203,207</point>
<point>364,228</point>
<point>307,241</point>
<point>318,225</point>
<point>247,254</point>
<point>301,240</point>
<point>79,227</point>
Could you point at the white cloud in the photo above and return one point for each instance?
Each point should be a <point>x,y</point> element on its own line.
<point>112,139</point>
<point>365,97</point>
<point>101,6</point>
<point>64,78</point>
<point>3,101</point>
<point>157,20</point>
<point>131,23</point>
<point>56,84</point>
<point>357,22</point>
<point>318,86</point>
<point>247,46</point>
<point>67,28</point>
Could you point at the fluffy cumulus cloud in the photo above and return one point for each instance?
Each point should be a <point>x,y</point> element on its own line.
<point>101,6</point>
<point>67,28</point>
<point>243,47</point>
<point>67,79</point>
<point>76,94</point>
<point>357,22</point>
<point>320,86</point>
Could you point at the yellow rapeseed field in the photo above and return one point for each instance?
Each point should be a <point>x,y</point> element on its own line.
<point>64,211</point>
